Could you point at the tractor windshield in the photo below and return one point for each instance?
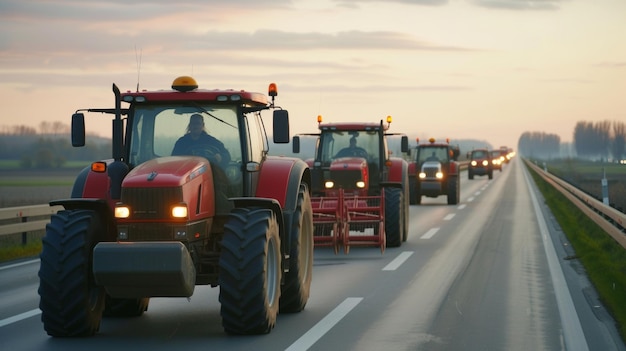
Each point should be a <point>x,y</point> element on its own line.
<point>336,144</point>
<point>433,153</point>
<point>156,128</point>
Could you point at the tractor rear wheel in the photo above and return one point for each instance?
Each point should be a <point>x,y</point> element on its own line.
<point>296,289</point>
<point>70,301</point>
<point>250,271</point>
<point>394,216</point>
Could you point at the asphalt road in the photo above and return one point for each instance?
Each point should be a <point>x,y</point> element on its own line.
<point>487,274</point>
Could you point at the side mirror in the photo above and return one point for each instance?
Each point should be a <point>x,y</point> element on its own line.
<point>404,144</point>
<point>78,129</point>
<point>281,126</point>
<point>295,143</point>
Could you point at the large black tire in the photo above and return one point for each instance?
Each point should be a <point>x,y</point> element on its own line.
<point>454,188</point>
<point>115,307</point>
<point>394,213</point>
<point>491,174</point>
<point>296,288</point>
<point>70,301</point>
<point>250,271</point>
<point>405,209</point>
<point>470,174</point>
<point>418,193</point>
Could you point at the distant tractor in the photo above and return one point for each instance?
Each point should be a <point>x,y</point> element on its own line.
<point>360,193</point>
<point>435,172</point>
<point>147,224</point>
<point>480,164</point>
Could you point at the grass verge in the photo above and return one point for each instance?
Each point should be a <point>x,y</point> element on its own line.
<point>602,257</point>
<point>14,252</point>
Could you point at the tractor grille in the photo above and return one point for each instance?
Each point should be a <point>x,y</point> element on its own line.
<point>151,203</point>
<point>346,179</point>
<point>431,172</point>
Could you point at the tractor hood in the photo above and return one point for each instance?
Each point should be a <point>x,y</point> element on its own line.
<point>348,163</point>
<point>172,171</point>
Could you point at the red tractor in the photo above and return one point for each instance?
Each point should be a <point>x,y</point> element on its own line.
<point>360,193</point>
<point>435,171</point>
<point>148,224</point>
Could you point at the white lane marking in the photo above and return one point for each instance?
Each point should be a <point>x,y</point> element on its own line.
<point>393,265</point>
<point>572,329</point>
<point>477,193</point>
<point>461,206</point>
<point>323,326</point>
<point>429,234</point>
<point>19,317</point>
<point>449,217</point>
<point>470,199</point>
<point>18,264</point>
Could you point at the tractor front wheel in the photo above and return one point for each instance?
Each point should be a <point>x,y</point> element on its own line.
<point>250,271</point>
<point>70,301</point>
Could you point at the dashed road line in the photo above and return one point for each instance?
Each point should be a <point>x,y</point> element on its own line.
<point>449,217</point>
<point>19,317</point>
<point>323,326</point>
<point>429,234</point>
<point>393,265</point>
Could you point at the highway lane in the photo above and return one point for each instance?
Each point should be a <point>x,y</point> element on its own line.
<point>471,276</point>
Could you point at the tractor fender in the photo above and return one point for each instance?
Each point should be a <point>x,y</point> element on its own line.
<point>99,206</point>
<point>94,185</point>
<point>398,171</point>
<point>280,179</point>
<point>454,168</point>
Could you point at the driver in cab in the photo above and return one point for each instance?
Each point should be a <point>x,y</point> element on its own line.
<point>352,150</point>
<point>197,141</point>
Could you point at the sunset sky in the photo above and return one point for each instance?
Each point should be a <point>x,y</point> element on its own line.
<point>462,69</point>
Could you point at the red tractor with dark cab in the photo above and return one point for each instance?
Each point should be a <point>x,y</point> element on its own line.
<point>435,171</point>
<point>360,193</point>
<point>147,224</point>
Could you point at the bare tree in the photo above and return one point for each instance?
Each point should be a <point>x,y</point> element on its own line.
<point>619,140</point>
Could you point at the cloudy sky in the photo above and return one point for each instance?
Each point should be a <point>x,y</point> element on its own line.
<point>479,69</point>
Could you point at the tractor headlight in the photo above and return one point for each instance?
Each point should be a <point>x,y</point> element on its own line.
<point>474,163</point>
<point>360,184</point>
<point>485,163</point>
<point>422,175</point>
<point>179,211</point>
<point>122,211</point>
<point>329,184</point>
<point>439,175</point>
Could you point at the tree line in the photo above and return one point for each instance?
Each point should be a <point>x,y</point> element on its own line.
<point>603,139</point>
<point>49,146</point>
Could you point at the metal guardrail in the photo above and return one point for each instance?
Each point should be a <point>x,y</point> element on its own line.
<point>609,219</point>
<point>24,219</point>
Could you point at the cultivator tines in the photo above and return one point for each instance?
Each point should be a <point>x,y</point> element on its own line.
<point>327,220</point>
<point>365,222</point>
<point>344,221</point>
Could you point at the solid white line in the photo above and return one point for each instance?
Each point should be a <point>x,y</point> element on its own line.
<point>19,317</point>
<point>448,217</point>
<point>461,206</point>
<point>393,265</point>
<point>429,234</point>
<point>323,326</point>
<point>18,264</point>
<point>572,329</point>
